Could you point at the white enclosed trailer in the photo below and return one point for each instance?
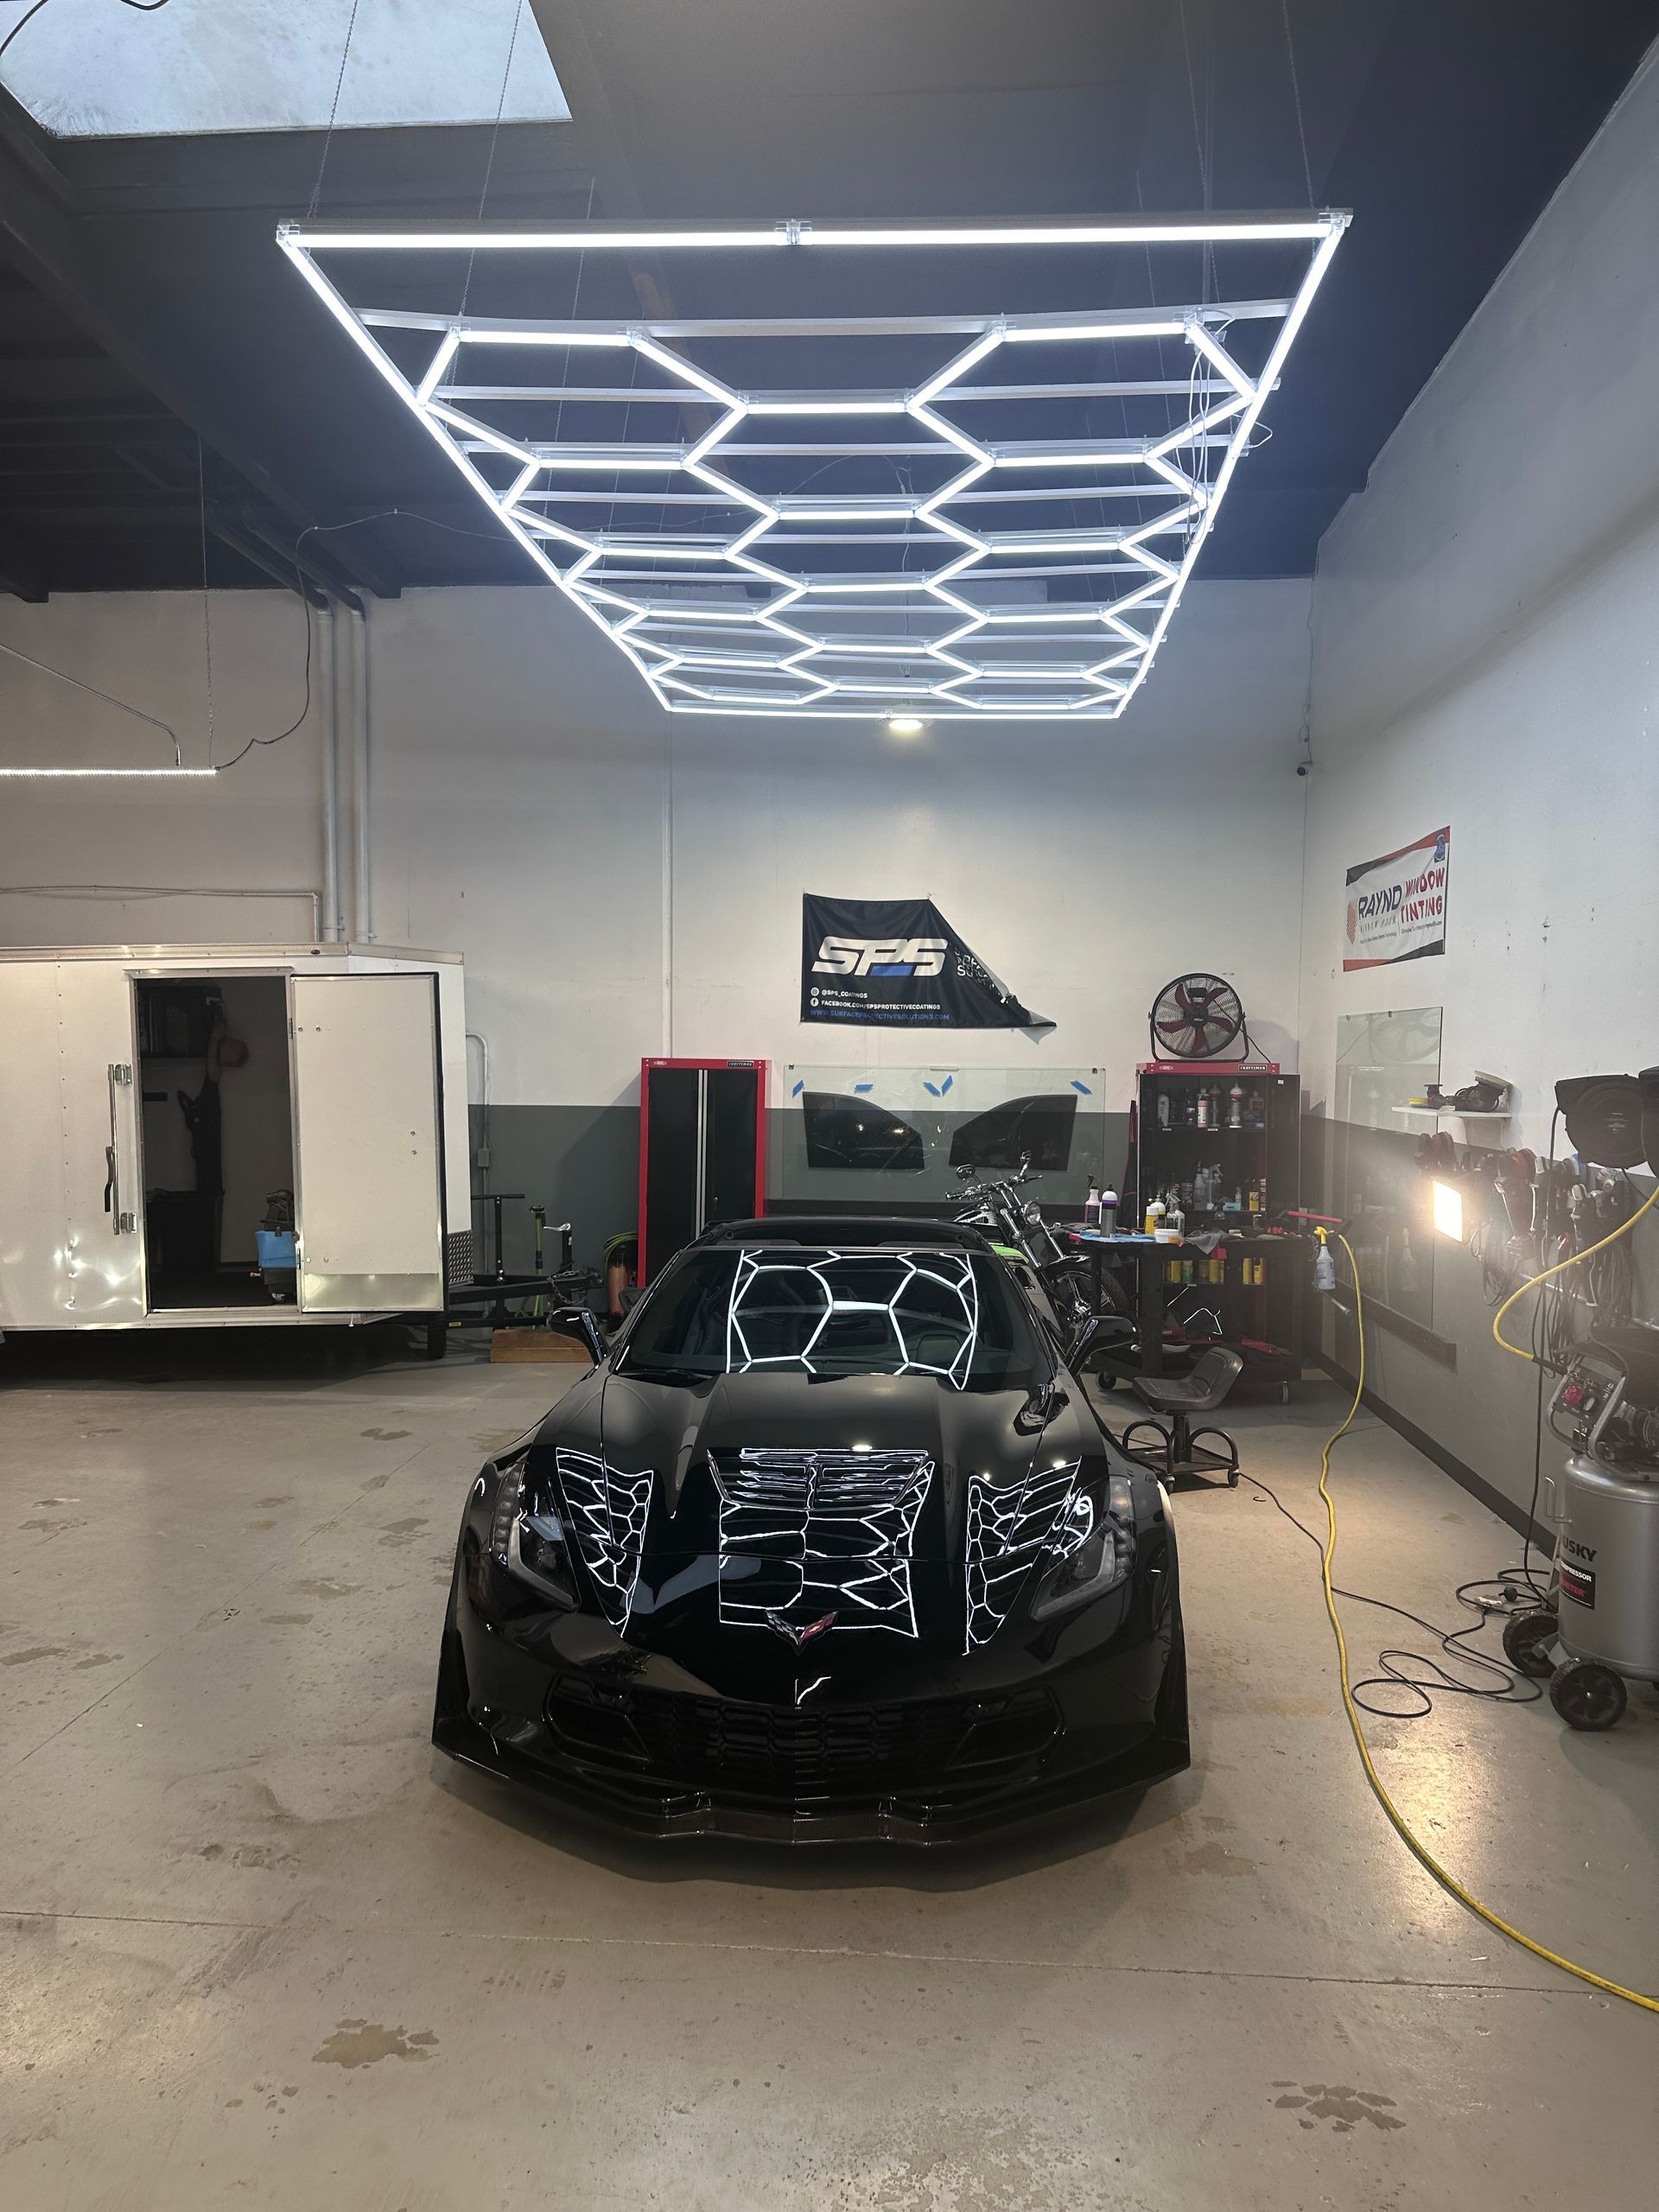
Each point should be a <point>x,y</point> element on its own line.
<point>349,1090</point>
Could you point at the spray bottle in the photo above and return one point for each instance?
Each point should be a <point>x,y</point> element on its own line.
<point>1324,1269</point>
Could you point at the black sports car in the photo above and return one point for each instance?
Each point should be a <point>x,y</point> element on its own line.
<point>829,1545</point>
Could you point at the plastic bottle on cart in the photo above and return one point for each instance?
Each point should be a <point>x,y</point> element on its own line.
<point>1235,1107</point>
<point>1155,1210</point>
<point>1091,1205</point>
<point>1108,1213</point>
<point>1203,1107</point>
<point>1175,1221</point>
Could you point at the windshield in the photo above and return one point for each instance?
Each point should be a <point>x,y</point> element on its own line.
<point>823,1313</point>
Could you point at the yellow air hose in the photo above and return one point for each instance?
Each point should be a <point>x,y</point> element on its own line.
<point>1401,1826</point>
<point>1559,1267</point>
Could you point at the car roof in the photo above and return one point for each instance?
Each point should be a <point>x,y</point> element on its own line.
<point>841,1231</point>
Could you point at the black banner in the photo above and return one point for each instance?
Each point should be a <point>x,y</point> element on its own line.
<point>898,964</point>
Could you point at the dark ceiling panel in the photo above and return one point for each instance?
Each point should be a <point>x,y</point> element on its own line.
<point>148,305</point>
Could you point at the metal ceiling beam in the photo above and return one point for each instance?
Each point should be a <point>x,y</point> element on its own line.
<point>110,301</point>
<point>229,532</point>
<point>309,561</point>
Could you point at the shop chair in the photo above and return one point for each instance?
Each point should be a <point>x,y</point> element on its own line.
<point>1179,1451</point>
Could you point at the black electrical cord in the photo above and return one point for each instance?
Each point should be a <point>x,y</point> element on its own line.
<point>1508,1688</point>
<point>332,530</point>
<point>142,7</point>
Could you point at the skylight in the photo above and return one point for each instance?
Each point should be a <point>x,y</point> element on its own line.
<point>96,69</point>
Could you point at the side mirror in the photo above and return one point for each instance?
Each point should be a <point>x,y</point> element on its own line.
<point>965,1171</point>
<point>578,1321</point>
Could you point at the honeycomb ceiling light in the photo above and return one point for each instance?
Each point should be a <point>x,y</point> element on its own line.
<point>992,509</point>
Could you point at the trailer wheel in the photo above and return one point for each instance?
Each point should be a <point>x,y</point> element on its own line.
<point>437,1335</point>
<point>1527,1641</point>
<point>1586,1695</point>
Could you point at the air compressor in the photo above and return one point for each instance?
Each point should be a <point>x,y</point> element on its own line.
<point>1601,1628</point>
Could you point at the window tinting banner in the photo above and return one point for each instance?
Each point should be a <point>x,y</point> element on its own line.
<point>1396,905</point>
<point>897,963</point>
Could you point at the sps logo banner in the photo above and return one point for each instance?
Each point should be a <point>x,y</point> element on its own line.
<point>897,963</point>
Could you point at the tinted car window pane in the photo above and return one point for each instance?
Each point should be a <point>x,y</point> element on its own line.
<point>952,1315</point>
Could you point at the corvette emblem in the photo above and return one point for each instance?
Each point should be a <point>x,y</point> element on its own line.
<point>799,1633</point>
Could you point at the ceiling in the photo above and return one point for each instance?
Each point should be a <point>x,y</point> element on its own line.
<point>171,396</point>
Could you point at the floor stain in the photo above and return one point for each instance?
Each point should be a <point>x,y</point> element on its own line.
<point>285,1620</point>
<point>268,1856</point>
<point>377,1482</point>
<point>365,2043</point>
<point>1344,2109</point>
<point>387,1435</point>
<point>971,2161</point>
<point>96,1659</point>
<point>323,1587</point>
<point>286,1498</point>
<point>254,1527</point>
<point>403,1532</point>
<point>1212,1859</point>
<point>52,1528</point>
<point>35,1651</point>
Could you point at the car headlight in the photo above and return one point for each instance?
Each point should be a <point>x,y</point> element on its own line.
<point>531,1546</point>
<point>1094,1545</point>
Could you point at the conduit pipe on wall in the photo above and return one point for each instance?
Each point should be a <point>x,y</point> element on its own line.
<point>124,892</point>
<point>362,888</point>
<point>330,777</point>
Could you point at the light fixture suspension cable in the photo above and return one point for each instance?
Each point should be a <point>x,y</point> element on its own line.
<point>46,668</point>
<point>333,109</point>
<point>206,612</point>
<point>489,159</point>
<point>1296,96</point>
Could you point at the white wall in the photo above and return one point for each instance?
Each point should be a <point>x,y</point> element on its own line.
<point>1486,652</point>
<point>532,808</point>
<point>257,828</point>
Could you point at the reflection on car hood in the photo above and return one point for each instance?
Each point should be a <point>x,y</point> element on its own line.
<point>807,1510</point>
<point>677,1434</point>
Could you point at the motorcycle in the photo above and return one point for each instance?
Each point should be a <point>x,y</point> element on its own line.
<point>1057,1281</point>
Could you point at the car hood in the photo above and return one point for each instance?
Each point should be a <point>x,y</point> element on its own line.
<point>734,1526</point>
<point>694,1440</point>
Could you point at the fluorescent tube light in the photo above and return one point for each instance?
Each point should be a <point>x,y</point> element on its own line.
<point>108,772</point>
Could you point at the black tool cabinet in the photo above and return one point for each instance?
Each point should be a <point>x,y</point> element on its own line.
<point>1259,1298</point>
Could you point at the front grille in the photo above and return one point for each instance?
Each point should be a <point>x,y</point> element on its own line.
<point>810,1532</point>
<point>664,1743</point>
<point>829,1485</point>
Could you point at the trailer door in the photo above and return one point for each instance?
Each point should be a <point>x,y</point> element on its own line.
<point>72,1233</point>
<point>367,1152</point>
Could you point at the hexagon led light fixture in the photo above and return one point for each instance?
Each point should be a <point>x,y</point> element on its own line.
<point>988,503</point>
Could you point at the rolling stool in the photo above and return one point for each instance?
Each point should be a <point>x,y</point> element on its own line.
<point>1180,1396</point>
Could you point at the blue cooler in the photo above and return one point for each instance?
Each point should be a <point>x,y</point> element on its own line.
<point>278,1262</point>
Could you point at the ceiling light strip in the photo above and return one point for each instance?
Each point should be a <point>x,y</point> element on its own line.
<point>1223,397</point>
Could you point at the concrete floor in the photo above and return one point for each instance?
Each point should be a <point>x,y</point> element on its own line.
<point>256,1948</point>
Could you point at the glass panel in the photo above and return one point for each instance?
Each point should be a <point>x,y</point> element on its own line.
<point>1383,1061</point>
<point>853,1136</point>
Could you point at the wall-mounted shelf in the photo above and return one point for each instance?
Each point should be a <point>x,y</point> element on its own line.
<point>1450,1114</point>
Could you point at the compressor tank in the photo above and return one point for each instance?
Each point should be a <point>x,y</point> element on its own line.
<point>1607,1565</point>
